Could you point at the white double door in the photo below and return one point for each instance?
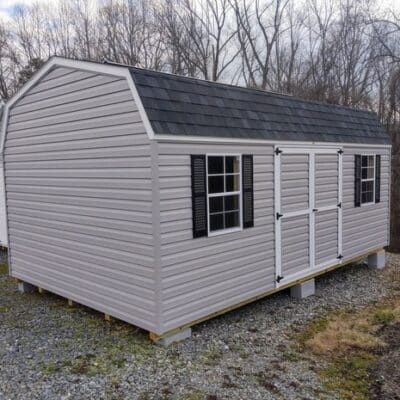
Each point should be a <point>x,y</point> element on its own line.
<point>308,211</point>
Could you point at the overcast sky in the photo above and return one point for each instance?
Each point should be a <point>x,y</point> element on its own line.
<point>6,6</point>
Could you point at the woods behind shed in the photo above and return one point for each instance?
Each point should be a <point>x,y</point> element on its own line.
<point>161,200</point>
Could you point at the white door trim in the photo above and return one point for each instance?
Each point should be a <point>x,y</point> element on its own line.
<point>279,150</point>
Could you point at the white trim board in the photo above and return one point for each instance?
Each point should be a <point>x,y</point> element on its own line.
<point>219,140</point>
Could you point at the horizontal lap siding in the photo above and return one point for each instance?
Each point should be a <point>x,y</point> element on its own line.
<point>204,275</point>
<point>365,228</point>
<point>3,230</point>
<point>79,194</point>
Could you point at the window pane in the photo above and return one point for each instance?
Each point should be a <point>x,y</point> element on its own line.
<point>364,173</point>
<point>232,165</point>
<point>215,165</point>
<point>232,183</point>
<point>216,222</point>
<point>367,192</point>
<point>370,173</point>
<point>371,161</point>
<point>215,184</point>
<point>231,203</point>
<point>216,204</point>
<point>364,161</point>
<point>232,219</point>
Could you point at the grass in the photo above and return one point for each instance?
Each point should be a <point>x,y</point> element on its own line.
<point>3,269</point>
<point>348,341</point>
<point>211,357</point>
<point>194,395</point>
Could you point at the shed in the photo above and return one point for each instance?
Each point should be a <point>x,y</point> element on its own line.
<point>164,200</point>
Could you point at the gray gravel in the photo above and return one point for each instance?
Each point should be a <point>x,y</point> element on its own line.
<point>51,351</point>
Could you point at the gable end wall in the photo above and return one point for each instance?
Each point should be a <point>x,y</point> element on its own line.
<point>79,194</point>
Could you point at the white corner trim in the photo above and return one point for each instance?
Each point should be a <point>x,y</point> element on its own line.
<point>219,140</point>
<point>138,101</point>
<point>106,69</point>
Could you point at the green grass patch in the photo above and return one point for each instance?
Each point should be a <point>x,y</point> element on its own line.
<point>3,269</point>
<point>349,377</point>
<point>384,317</point>
<point>211,357</point>
<point>194,395</point>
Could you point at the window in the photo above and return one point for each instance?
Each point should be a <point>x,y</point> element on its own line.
<point>367,179</point>
<point>223,192</point>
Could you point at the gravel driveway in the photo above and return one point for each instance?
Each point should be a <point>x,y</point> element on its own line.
<point>51,351</point>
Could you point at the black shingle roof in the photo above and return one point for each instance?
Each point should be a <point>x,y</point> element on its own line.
<point>178,105</point>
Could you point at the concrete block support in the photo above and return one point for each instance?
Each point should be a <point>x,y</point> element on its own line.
<point>377,260</point>
<point>303,290</point>
<point>25,287</point>
<point>175,337</point>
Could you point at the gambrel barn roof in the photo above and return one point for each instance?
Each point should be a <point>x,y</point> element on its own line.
<point>177,105</point>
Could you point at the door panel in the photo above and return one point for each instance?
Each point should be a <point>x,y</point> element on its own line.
<point>308,211</point>
<point>294,182</point>
<point>326,236</point>
<point>295,244</point>
<point>326,180</point>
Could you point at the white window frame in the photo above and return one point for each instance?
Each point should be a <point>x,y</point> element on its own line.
<point>368,180</point>
<point>239,192</point>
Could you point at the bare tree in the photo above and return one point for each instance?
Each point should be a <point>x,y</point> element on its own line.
<point>258,27</point>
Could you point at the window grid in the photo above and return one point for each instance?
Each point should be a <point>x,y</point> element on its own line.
<point>234,213</point>
<point>368,179</point>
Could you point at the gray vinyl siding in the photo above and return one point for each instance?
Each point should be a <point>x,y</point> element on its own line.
<point>3,226</point>
<point>365,228</point>
<point>326,236</point>
<point>294,197</point>
<point>204,275</point>
<point>326,195</point>
<point>294,182</point>
<point>295,239</point>
<point>79,194</point>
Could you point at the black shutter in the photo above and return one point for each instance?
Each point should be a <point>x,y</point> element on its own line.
<point>247,191</point>
<point>357,180</point>
<point>199,195</point>
<point>377,178</point>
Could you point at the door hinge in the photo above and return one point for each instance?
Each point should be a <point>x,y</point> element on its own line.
<point>339,257</point>
<point>340,151</point>
<point>278,151</point>
<point>278,215</point>
<point>315,209</point>
<point>279,278</point>
<point>340,205</point>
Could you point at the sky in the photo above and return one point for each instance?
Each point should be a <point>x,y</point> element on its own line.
<point>6,6</point>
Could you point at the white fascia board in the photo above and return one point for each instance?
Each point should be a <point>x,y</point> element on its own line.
<point>292,143</point>
<point>106,69</point>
